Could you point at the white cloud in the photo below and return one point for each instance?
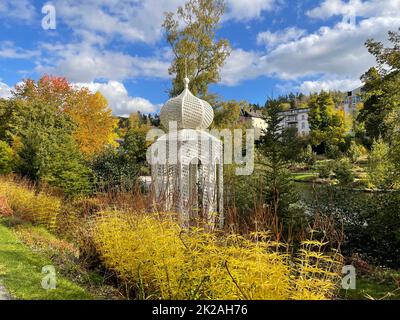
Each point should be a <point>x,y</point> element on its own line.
<point>248,9</point>
<point>331,8</point>
<point>10,51</point>
<point>271,39</point>
<point>370,8</point>
<point>241,65</point>
<point>118,98</point>
<point>329,85</point>
<point>140,21</point>
<point>130,20</point>
<point>5,90</point>
<point>18,10</point>
<point>337,51</point>
<point>85,63</point>
<point>96,23</point>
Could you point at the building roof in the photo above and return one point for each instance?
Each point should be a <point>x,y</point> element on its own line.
<point>188,111</point>
<point>253,114</point>
<point>298,110</point>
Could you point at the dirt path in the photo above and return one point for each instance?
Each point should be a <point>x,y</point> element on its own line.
<point>4,294</point>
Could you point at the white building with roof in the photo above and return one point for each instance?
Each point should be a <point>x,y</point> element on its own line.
<point>296,118</point>
<point>293,118</point>
<point>255,119</point>
<point>352,99</point>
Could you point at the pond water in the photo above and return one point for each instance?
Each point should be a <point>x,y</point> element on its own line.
<point>370,220</point>
<point>338,197</point>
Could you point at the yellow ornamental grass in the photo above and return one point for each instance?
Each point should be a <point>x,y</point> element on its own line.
<point>144,254</point>
<point>318,272</point>
<point>159,260</point>
<point>39,208</point>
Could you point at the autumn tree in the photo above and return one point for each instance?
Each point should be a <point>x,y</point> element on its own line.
<point>10,119</point>
<point>135,143</point>
<point>227,114</point>
<point>6,158</point>
<point>41,134</point>
<point>53,89</point>
<point>381,168</point>
<point>191,34</point>
<point>117,169</point>
<point>381,112</point>
<point>139,123</point>
<point>95,124</point>
<point>327,123</point>
<point>382,83</point>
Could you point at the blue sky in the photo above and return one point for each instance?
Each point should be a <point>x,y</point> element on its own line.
<point>118,47</point>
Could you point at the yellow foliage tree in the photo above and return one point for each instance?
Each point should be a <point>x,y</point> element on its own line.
<point>95,123</point>
<point>137,124</point>
<point>227,115</point>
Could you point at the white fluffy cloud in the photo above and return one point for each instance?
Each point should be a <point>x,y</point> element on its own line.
<point>241,65</point>
<point>97,22</point>
<point>5,90</point>
<point>9,50</point>
<point>130,20</point>
<point>244,10</point>
<point>140,21</point>
<point>119,100</point>
<point>271,39</point>
<point>19,10</point>
<point>86,63</point>
<point>369,8</point>
<point>326,85</point>
<point>337,51</point>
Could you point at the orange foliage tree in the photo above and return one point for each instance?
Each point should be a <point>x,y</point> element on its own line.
<point>95,125</point>
<point>55,90</point>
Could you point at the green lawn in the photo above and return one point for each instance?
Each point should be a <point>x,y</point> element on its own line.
<point>304,176</point>
<point>369,288</point>
<point>21,272</point>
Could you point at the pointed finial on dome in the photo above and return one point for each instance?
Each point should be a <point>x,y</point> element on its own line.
<point>186,81</point>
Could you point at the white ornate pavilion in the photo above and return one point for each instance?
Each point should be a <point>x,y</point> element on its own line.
<point>186,163</point>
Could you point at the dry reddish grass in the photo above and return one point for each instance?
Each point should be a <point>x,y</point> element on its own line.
<point>5,209</point>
